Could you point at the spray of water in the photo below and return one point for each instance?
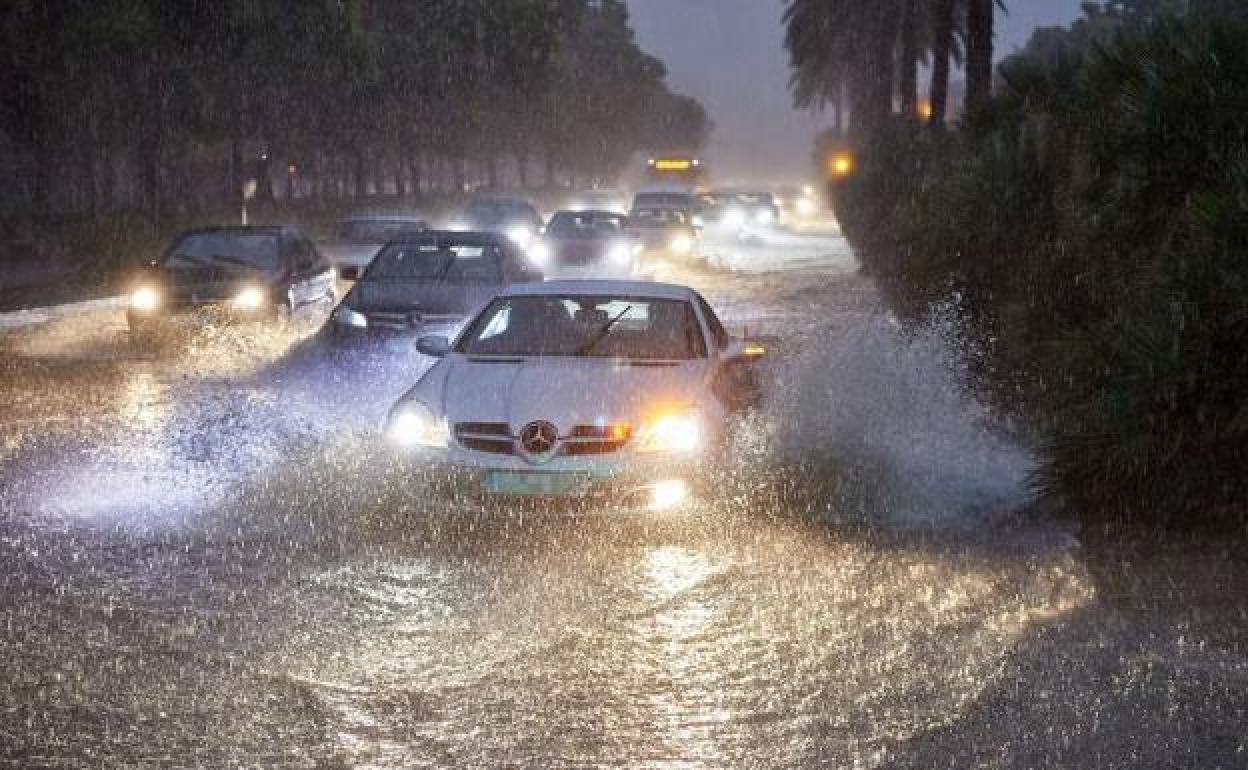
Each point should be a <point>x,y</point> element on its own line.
<point>879,418</point>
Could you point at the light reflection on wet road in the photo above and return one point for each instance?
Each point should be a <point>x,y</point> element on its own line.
<point>206,562</point>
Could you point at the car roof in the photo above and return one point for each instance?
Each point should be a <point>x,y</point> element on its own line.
<point>482,236</point>
<point>381,218</point>
<point>590,212</point>
<point>243,229</point>
<point>640,289</point>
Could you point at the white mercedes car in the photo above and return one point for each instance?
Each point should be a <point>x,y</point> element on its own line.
<point>613,389</point>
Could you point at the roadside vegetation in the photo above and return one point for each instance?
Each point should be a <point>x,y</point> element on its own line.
<point>143,116</point>
<point>1089,224</point>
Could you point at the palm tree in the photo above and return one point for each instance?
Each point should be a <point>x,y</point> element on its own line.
<point>979,24</point>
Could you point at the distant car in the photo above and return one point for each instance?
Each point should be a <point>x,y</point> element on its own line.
<point>738,210</point>
<point>427,280</point>
<point>598,200</point>
<point>579,388</point>
<point>515,218</point>
<point>591,244</point>
<point>357,239</point>
<point>797,203</point>
<point>665,230</point>
<point>651,199</point>
<point>248,273</point>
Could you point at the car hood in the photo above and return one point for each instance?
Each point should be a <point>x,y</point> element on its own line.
<point>566,392</point>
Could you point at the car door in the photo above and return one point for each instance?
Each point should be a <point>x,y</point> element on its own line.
<point>308,281</point>
<point>734,379</point>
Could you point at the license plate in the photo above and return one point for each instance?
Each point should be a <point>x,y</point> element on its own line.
<point>535,484</point>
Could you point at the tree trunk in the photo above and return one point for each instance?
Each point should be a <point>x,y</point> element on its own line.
<point>979,22</point>
<point>909,83</point>
<point>942,32</point>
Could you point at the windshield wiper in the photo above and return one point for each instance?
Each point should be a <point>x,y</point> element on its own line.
<point>585,349</point>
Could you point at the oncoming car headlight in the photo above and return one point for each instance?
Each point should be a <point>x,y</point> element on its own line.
<point>250,298</point>
<point>520,235</point>
<point>621,253</point>
<point>682,244</point>
<point>734,217</point>
<point>672,432</point>
<point>414,425</point>
<point>764,217</point>
<point>348,317</point>
<point>805,207</point>
<point>145,298</point>
<point>539,253</point>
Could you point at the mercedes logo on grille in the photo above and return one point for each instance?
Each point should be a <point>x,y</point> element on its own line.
<point>538,438</point>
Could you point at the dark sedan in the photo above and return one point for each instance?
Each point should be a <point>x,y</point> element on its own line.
<point>587,244</point>
<point>430,280</point>
<point>247,273</point>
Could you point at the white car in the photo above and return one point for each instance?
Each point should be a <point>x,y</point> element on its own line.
<point>580,389</point>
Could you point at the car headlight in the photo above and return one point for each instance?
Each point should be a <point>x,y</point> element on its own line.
<point>414,425</point>
<point>539,253</point>
<point>621,253</point>
<point>806,207</point>
<point>698,221</point>
<point>348,317</point>
<point>250,298</point>
<point>520,235</point>
<point>734,217</point>
<point>764,217</point>
<point>673,432</point>
<point>145,298</point>
<point>682,244</point>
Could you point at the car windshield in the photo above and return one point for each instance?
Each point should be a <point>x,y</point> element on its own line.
<point>586,326</point>
<point>658,217</point>
<point>227,249</point>
<point>433,259</point>
<point>376,230</point>
<point>587,224</point>
<point>495,212</point>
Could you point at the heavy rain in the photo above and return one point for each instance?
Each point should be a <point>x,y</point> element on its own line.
<point>591,383</point>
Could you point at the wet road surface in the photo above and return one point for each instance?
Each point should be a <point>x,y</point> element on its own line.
<point>207,561</point>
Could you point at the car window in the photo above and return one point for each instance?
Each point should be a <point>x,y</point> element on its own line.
<point>227,249</point>
<point>586,326</point>
<point>719,334</point>
<point>376,230</point>
<point>436,261</point>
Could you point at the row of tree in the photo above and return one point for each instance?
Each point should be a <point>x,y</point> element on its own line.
<point>175,104</point>
<point>1088,226</point>
<point>863,57</point>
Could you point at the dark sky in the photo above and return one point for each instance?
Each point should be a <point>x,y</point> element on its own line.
<point>730,55</point>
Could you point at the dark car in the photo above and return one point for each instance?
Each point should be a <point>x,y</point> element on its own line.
<point>358,239</point>
<point>587,244</point>
<point>513,217</point>
<point>248,273</point>
<point>665,230</point>
<point>428,280</point>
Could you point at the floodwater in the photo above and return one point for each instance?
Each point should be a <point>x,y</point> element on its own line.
<point>207,560</point>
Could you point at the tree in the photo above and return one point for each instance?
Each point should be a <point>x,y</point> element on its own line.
<point>979,47</point>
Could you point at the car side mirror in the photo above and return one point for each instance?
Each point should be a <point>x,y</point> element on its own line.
<point>744,350</point>
<point>349,272</point>
<point>433,346</point>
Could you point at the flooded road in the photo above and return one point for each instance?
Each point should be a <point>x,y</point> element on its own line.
<point>208,561</point>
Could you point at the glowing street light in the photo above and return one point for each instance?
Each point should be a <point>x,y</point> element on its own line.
<point>842,164</point>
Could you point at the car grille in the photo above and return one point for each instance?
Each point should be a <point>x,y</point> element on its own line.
<point>491,437</point>
<point>497,438</point>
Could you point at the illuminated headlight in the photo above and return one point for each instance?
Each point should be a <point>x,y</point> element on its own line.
<point>734,217</point>
<point>765,217</point>
<point>621,253</point>
<point>413,425</point>
<point>459,226</point>
<point>521,236</point>
<point>698,221</point>
<point>145,298</point>
<point>577,206</point>
<point>348,317</point>
<point>682,244</point>
<point>680,432</point>
<point>251,298</point>
<point>805,207</point>
<point>539,253</point>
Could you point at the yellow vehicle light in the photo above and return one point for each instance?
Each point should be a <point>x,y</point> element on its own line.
<point>673,165</point>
